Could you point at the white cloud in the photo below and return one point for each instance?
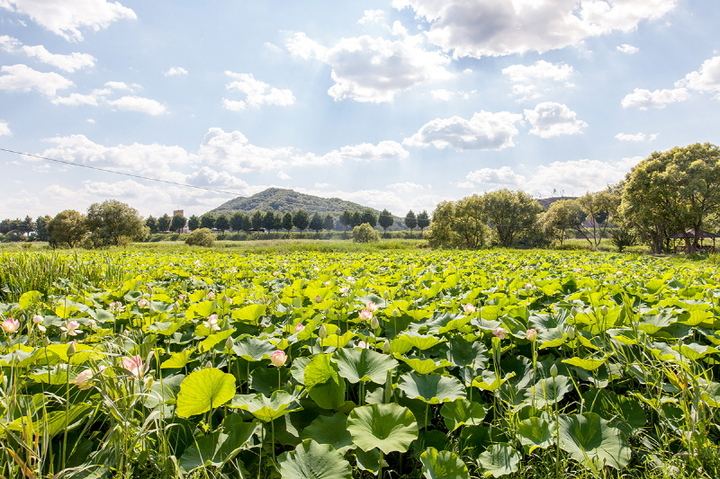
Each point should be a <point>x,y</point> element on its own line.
<point>23,78</point>
<point>139,104</point>
<point>529,79</point>
<point>207,177</point>
<point>484,131</point>
<point>367,69</point>
<point>503,176</point>
<point>644,99</point>
<point>627,49</point>
<point>321,185</point>
<point>638,137</point>
<point>68,63</point>
<point>553,119</point>
<point>67,17</point>
<point>75,99</point>
<point>707,78</point>
<point>233,152</point>
<point>283,176</point>
<point>9,44</point>
<point>405,187</point>
<point>5,129</point>
<point>176,71</point>
<point>383,151</point>
<point>372,16</point>
<point>442,94</point>
<point>571,178</point>
<point>479,28</point>
<point>256,93</point>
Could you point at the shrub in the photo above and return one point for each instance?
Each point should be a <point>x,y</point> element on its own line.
<point>365,234</point>
<point>200,237</point>
<point>622,238</point>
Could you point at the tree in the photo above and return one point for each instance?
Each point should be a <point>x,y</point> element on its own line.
<point>355,219</point>
<point>301,220</point>
<point>671,192</point>
<point>316,223</point>
<point>287,221</point>
<point>411,220</point>
<point>423,220</point>
<point>510,214</point>
<point>598,208</point>
<point>67,228</point>
<point>27,226</point>
<point>459,224</point>
<point>562,215</point>
<point>328,223</point>
<point>222,223</point>
<point>152,223</point>
<point>238,220</point>
<point>386,220</point>
<point>256,220</point>
<point>112,223</point>
<point>41,227</point>
<point>193,223</point>
<point>200,237</point>
<point>177,223</point>
<point>164,223</point>
<point>346,218</point>
<point>368,217</point>
<point>269,220</point>
<point>365,233</point>
<point>207,221</point>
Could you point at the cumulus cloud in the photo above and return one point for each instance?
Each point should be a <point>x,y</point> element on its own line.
<point>372,16</point>
<point>367,69</point>
<point>256,93</point>
<point>176,71</point>
<point>479,28</point>
<point>4,129</point>
<point>553,119</point>
<point>75,99</point>
<point>528,79</point>
<point>638,137</point>
<point>442,94</point>
<point>68,63</point>
<point>139,104</point>
<point>572,178</point>
<point>405,187</point>
<point>484,131</point>
<point>644,99</point>
<point>67,17</point>
<point>233,152</point>
<point>707,78</point>
<point>9,44</point>
<point>365,152</point>
<point>23,78</point>
<point>627,49</point>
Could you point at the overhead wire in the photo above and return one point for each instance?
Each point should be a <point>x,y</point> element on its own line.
<point>132,175</point>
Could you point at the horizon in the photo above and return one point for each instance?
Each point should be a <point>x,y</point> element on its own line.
<point>395,104</point>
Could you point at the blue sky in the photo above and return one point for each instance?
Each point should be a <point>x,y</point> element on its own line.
<point>396,104</point>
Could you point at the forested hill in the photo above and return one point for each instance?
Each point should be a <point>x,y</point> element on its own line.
<point>283,201</point>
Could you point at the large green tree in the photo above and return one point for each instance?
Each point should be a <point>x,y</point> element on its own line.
<point>561,216</point>
<point>287,221</point>
<point>672,192</point>
<point>510,214</point>
<point>386,219</point>
<point>411,220</point>
<point>301,220</point>
<point>459,224</point>
<point>163,223</point>
<point>177,223</point>
<point>423,220</point>
<point>113,223</point>
<point>67,228</point>
<point>316,223</point>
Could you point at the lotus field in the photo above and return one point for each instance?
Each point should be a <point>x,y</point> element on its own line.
<point>206,364</point>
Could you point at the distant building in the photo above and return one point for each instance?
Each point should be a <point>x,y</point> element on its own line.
<point>179,212</point>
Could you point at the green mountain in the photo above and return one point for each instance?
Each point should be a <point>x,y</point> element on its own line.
<point>283,201</point>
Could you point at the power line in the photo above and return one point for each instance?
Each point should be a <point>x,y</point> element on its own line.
<point>121,173</point>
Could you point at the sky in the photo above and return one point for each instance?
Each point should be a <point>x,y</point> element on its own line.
<point>396,104</point>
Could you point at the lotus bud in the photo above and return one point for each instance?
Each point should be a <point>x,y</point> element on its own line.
<point>322,332</point>
<point>531,335</point>
<point>278,358</point>
<point>469,308</point>
<point>604,310</point>
<point>82,380</point>
<point>229,343</point>
<point>318,299</point>
<point>386,347</point>
<point>571,332</point>
<point>554,370</point>
<point>71,348</point>
<point>374,322</point>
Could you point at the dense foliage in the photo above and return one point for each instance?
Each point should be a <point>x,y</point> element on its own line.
<point>434,364</point>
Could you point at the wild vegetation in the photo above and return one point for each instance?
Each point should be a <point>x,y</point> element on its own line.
<point>204,364</point>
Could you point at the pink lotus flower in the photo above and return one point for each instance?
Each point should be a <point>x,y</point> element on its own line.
<point>299,327</point>
<point>531,335</point>
<point>365,315</point>
<point>10,325</point>
<point>39,322</point>
<point>212,323</point>
<point>500,333</point>
<point>371,306</point>
<point>469,308</point>
<point>82,380</point>
<point>278,358</point>
<point>318,299</point>
<point>344,290</point>
<point>134,365</point>
<point>71,328</point>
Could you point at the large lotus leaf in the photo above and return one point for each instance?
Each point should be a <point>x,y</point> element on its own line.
<point>590,440</point>
<point>337,341</point>
<point>214,339</point>
<point>267,380</point>
<point>479,438</point>
<point>550,390</point>
<point>370,461</point>
<point>326,387</point>
<point>267,408</point>
<point>252,349</point>
<point>443,465</point>
<point>489,381</point>
<point>431,388</point>
<point>588,364</point>
<point>534,432</point>
<point>500,460</point>
<point>363,365</point>
<point>203,390</point>
<point>462,412</point>
<point>465,353</point>
<point>329,430</point>
<point>178,360</point>
<point>311,460</point>
<point>653,324</point>
<point>420,341</point>
<point>623,412</point>
<point>388,427</point>
<point>219,447</point>
<point>426,366</point>
<point>249,314</point>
